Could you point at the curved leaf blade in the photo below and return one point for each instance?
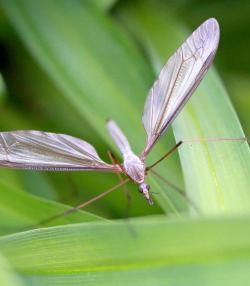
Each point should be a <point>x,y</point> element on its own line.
<point>156,249</point>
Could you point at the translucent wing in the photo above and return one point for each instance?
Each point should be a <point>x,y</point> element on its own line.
<point>118,137</point>
<point>178,80</point>
<point>49,151</point>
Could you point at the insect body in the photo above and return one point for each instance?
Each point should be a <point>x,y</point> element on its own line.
<point>176,83</point>
<point>133,165</point>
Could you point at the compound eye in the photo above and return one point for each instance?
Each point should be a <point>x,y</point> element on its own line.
<point>140,189</point>
<point>148,187</point>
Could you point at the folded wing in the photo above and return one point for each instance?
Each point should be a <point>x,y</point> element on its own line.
<point>49,151</point>
<point>178,80</point>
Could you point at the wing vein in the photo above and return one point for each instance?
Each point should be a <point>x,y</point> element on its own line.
<point>178,80</point>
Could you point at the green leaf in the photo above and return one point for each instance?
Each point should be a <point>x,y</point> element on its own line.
<point>216,174</point>
<point>7,276</point>
<point>20,211</point>
<point>104,4</point>
<point>144,252</point>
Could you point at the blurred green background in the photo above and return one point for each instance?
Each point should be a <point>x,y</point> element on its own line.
<point>67,66</point>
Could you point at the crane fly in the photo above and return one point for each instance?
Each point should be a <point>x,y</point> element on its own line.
<point>37,150</point>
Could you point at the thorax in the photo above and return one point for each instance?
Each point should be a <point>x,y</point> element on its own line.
<point>134,167</point>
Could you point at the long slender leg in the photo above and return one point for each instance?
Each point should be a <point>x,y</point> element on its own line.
<point>149,168</point>
<point>176,189</point>
<point>164,156</point>
<point>125,189</point>
<point>83,205</point>
<point>123,182</point>
<point>199,140</point>
<point>114,161</point>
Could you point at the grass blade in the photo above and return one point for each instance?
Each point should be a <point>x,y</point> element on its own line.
<point>155,252</point>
